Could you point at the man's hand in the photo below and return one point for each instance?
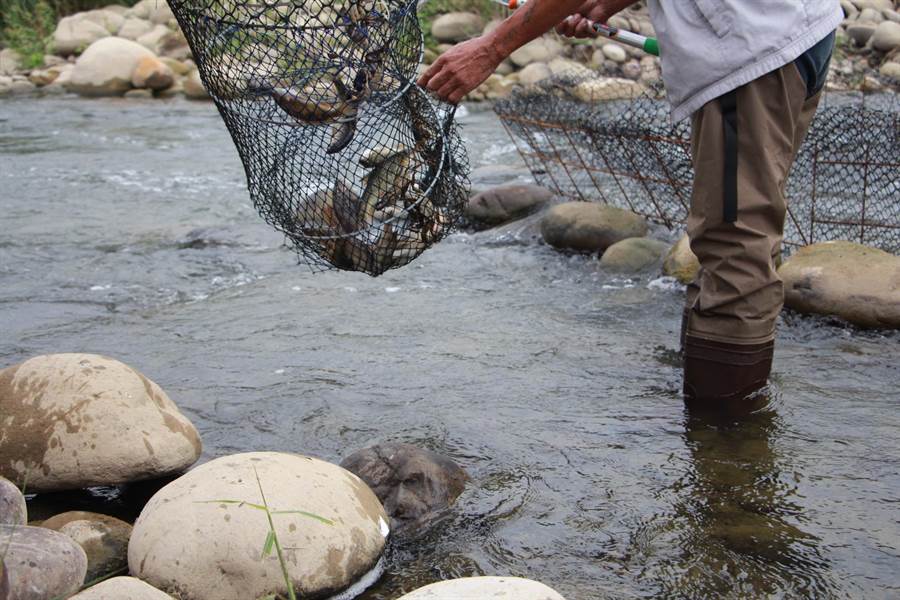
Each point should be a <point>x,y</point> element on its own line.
<point>580,24</point>
<point>461,69</point>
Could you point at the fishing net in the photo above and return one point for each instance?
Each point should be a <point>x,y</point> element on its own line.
<point>612,141</point>
<point>356,165</point>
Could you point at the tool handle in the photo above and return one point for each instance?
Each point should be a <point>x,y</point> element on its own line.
<point>647,44</point>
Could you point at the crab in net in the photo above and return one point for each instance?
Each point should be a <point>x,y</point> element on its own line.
<point>344,154</point>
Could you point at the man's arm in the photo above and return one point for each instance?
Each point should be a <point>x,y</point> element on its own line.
<point>465,66</point>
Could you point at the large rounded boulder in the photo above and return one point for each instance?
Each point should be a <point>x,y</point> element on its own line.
<point>505,203</point>
<point>633,254</point>
<point>106,67</point>
<point>481,588</point>
<point>206,535</point>
<point>854,282</point>
<point>39,564</point>
<point>454,27</point>
<point>681,262</point>
<point>70,421</point>
<point>590,226</point>
<point>75,33</point>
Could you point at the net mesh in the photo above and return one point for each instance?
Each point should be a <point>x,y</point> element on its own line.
<point>356,165</point>
<point>612,141</point>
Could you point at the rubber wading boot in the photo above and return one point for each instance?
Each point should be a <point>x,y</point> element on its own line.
<point>721,377</point>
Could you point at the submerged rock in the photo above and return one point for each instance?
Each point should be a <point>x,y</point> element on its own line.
<point>505,203</point>
<point>122,588</point>
<point>681,263</point>
<point>202,537</point>
<point>13,510</point>
<point>104,539</point>
<point>70,421</point>
<point>481,588</point>
<point>41,564</point>
<point>633,254</point>
<point>412,483</point>
<point>851,281</point>
<point>590,226</point>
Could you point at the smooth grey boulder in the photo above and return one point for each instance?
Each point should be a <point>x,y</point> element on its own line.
<point>412,483</point>
<point>41,564</point>
<point>633,254</point>
<point>505,203</point>
<point>590,226</point>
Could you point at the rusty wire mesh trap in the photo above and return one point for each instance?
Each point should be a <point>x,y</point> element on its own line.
<point>610,141</point>
<point>344,154</point>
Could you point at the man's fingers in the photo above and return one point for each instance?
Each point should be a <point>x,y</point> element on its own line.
<point>585,29</point>
<point>447,91</point>
<point>430,72</point>
<point>439,80</point>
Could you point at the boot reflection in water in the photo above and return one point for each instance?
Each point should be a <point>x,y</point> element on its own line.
<point>739,514</point>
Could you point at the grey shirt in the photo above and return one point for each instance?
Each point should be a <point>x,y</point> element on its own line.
<point>710,47</point>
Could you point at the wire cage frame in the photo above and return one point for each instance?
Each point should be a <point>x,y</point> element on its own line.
<point>616,144</point>
<point>359,168</point>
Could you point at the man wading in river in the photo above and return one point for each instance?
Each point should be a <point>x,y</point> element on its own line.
<point>748,73</point>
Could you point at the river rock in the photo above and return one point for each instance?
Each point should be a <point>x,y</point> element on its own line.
<point>633,254</point>
<point>455,27</point>
<point>851,281</point>
<point>589,226</point>
<point>506,203</point>
<point>886,36</point>
<point>602,89</point>
<point>542,49</point>
<point>41,564</point>
<point>73,34</point>
<point>12,504</point>
<point>133,28</point>
<point>193,86</point>
<point>861,32</point>
<point>122,588</point>
<point>890,70</point>
<point>176,66</point>
<point>42,77</point>
<point>615,53</point>
<point>105,68</point>
<point>198,528</point>
<point>104,539</point>
<point>681,263</point>
<point>411,483</point>
<point>153,39</point>
<point>109,20</point>
<point>566,67</point>
<point>10,61</point>
<point>153,74</point>
<point>482,588</point>
<point>71,421</point>
<point>534,73</point>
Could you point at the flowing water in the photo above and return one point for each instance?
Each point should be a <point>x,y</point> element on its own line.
<point>127,231</point>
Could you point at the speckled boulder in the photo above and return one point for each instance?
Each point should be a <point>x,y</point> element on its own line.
<point>854,282</point>
<point>681,263</point>
<point>201,537</point>
<point>483,588</point>
<point>12,504</point>
<point>633,254</point>
<point>41,564</point>
<point>104,539</point>
<point>122,588</point>
<point>70,421</point>
<point>411,482</point>
<point>590,226</point>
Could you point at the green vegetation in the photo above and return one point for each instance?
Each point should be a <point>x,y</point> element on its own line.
<point>434,8</point>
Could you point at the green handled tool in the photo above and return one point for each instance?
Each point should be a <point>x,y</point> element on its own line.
<point>647,44</point>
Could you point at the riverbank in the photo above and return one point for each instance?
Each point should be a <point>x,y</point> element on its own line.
<point>140,52</point>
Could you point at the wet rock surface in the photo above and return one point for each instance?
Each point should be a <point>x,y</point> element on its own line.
<point>213,511</point>
<point>633,254</point>
<point>505,203</point>
<point>104,539</point>
<point>681,263</point>
<point>12,504</point>
<point>589,226</point>
<point>71,421</point>
<point>412,483</point>
<point>480,588</point>
<point>40,563</point>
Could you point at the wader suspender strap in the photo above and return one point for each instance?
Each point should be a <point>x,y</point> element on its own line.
<point>728,103</point>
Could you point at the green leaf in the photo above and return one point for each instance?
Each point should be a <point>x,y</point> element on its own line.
<point>305,514</point>
<point>270,542</point>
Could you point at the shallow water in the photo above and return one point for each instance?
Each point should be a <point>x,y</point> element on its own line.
<point>127,231</point>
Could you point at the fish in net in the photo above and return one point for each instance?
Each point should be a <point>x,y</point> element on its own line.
<point>356,165</point>
<point>611,140</point>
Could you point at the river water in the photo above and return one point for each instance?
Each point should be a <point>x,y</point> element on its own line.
<point>127,231</point>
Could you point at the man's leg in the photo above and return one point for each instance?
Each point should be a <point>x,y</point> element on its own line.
<point>743,146</point>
